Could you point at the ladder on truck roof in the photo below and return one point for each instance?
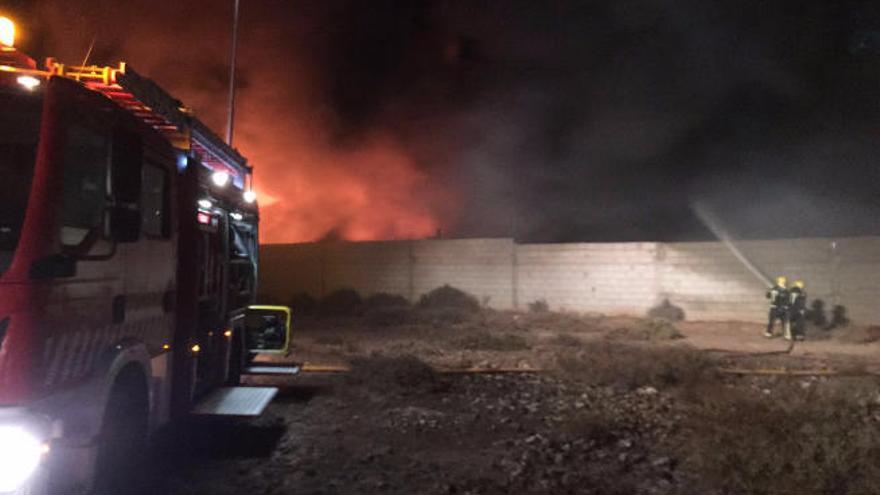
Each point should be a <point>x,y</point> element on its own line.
<point>154,106</point>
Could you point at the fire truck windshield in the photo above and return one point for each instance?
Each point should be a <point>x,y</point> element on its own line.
<point>19,133</point>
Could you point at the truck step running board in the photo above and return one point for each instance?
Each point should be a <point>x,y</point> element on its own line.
<point>273,370</point>
<point>235,401</point>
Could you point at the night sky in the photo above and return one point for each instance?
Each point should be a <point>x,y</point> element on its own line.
<point>545,120</point>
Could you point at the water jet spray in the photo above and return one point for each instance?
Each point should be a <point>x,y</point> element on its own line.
<point>714,225</point>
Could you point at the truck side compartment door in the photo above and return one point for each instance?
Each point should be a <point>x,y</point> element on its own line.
<point>79,318</point>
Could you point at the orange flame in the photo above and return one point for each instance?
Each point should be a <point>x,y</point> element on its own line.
<point>374,192</point>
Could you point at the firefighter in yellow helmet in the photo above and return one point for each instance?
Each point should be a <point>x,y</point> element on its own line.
<point>797,311</point>
<point>778,296</point>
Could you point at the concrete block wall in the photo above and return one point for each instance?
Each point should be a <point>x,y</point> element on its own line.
<point>607,278</point>
<point>482,267</point>
<point>320,268</point>
<point>367,267</point>
<point>289,269</point>
<point>856,277</point>
<point>704,278</point>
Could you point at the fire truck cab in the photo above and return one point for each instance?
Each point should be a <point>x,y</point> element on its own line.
<point>128,274</point>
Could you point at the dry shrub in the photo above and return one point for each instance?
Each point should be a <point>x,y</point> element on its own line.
<point>446,306</point>
<point>385,310</point>
<point>389,316</point>
<point>667,311</point>
<point>656,329</point>
<point>448,297</point>
<point>631,367</point>
<point>401,374</point>
<point>342,302</point>
<point>485,341</point>
<point>539,306</point>
<point>792,441</point>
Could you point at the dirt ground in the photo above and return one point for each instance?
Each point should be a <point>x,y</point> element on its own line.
<point>507,340</point>
<point>494,403</point>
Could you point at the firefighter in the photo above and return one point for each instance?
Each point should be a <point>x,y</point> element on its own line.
<point>797,311</point>
<point>778,296</point>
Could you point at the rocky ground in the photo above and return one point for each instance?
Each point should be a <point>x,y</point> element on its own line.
<point>558,405</point>
<point>463,434</point>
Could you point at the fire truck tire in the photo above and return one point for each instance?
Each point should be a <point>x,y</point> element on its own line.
<point>122,450</point>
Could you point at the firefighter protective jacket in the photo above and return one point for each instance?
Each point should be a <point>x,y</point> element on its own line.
<point>778,297</point>
<point>797,298</point>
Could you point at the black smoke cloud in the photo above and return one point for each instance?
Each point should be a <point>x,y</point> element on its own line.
<point>607,120</point>
<point>548,121</point>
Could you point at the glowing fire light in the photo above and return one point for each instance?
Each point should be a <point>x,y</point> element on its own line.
<point>7,32</point>
<point>386,196</point>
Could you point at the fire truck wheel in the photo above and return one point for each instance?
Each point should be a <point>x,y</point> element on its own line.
<point>121,462</point>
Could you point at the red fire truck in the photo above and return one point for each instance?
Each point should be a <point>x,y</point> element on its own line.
<point>128,269</point>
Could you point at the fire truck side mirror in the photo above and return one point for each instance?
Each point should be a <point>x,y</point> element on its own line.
<point>125,224</point>
<point>267,329</point>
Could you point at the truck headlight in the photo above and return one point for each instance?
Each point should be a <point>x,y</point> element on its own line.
<point>20,454</point>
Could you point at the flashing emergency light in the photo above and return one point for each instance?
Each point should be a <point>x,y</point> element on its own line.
<point>250,196</point>
<point>220,178</point>
<point>182,161</point>
<point>7,32</point>
<point>205,203</point>
<point>28,82</point>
